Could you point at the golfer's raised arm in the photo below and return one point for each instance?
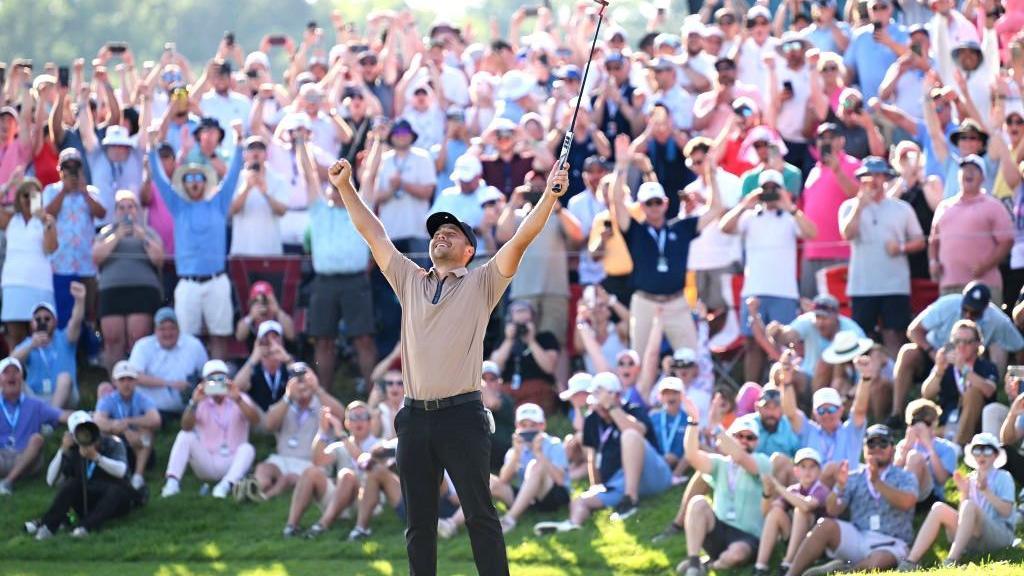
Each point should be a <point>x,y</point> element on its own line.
<point>366,222</point>
<point>509,255</point>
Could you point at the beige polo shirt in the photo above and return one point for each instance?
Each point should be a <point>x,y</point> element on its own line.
<point>443,325</point>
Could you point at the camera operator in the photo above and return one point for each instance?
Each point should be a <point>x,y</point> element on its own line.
<point>49,354</point>
<point>93,470</point>
<point>527,358</point>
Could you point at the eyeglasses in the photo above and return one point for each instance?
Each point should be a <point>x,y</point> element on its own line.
<point>41,319</point>
<point>653,202</point>
<point>964,341</point>
<point>747,437</point>
<point>394,383</point>
<point>359,417</point>
<point>830,68</point>
<point>984,450</point>
<point>878,443</point>
<point>193,178</point>
<point>761,144</point>
<point>827,409</point>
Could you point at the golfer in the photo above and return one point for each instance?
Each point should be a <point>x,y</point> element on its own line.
<point>443,425</point>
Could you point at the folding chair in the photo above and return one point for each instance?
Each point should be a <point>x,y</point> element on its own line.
<point>725,357</point>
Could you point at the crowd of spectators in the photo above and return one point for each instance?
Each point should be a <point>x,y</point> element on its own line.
<point>783,276</point>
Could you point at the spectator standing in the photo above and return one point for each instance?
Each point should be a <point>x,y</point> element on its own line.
<point>506,168</point>
<point>115,163</point>
<point>22,426</point>
<point>131,417</point>
<point>49,353</point>
<point>874,47</point>
<point>130,256</point>
<point>214,435</point>
<point>74,204</point>
<point>168,362</point>
<point>881,231</point>
<point>405,184</point>
<point>971,234</point>
<point>222,103</point>
<point>463,197</point>
<point>585,206</point>
<point>258,203</point>
<point>200,209</point>
<point>27,276</point>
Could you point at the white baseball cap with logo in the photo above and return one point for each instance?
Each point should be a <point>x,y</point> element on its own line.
<point>124,369</point>
<point>214,367</point>
<point>531,412</point>
<point>11,361</point>
<point>807,453</point>
<point>827,396</point>
<point>578,383</point>
<point>650,191</point>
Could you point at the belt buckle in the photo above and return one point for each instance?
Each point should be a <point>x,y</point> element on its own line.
<point>437,405</point>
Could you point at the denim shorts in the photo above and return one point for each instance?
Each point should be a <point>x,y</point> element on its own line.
<point>655,478</point>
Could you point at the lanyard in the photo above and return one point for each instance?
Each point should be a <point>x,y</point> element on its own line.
<point>659,238</point>
<point>90,467</point>
<point>302,414</point>
<point>45,358</point>
<point>871,488</point>
<point>222,423</point>
<point>605,435</point>
<point>960,377</point>
<point>12,420</point>
<point>732,475</point>
<point>831,446</point>
<point>274,384</point>
<point>667,434</point>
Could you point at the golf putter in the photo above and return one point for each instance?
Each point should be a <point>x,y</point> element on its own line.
<point>567,142</point>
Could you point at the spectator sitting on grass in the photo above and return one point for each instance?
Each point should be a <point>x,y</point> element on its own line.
<point>21,453</point>
<point>987,515</point>
<point>930,458</point>
<point>264,374</point>
<point>131,417</point>
<point>49,354</point>
<point>168,361</point>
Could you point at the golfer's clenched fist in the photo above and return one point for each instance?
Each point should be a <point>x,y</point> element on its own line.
<point>340,173</point>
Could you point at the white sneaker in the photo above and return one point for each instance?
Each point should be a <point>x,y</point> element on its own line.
<point>138,481</point>
<point>43,533</point>
<point>79,532</point>
<point>32,526</point>
<point>171,488</point>
<point>446,528</point>
<point>542,528</point>
<point>222,489</point>
<point>5,488</point>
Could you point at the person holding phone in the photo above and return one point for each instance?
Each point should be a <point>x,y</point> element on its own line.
<point>214,437</point>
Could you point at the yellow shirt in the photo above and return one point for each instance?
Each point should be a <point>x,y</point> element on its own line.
<point>616,261</point>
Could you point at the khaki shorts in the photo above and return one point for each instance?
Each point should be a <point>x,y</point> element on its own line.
<point>995,535</point>
<point>288,464</point>
<point>856,545</point>
<point>8,458</point>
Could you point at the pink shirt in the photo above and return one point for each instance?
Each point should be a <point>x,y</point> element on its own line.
<point>969,231</point>
<point>221,424</point>
<point>708,101</point>
<point>11,157</point>
<point>822,197</point>
<point>160,219</point>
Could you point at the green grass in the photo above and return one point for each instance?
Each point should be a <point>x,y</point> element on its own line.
<point>192,535</point>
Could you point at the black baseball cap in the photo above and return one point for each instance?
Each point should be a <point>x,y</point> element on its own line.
<point>878,431</point>
<point>438,219</point>
<point>976,297</point>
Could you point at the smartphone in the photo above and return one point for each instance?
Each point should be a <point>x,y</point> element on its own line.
<point>63,76</point>
<point>379,121</point>
<point>527,435</point>
<point>607,224</point>
<point>169,47</point>
<point>254,74</point>
<point>311,25</point>
<point>787,85</point>
<point>1015,371</point>
<point>277,40</point>
<point>117,47</point>
<point>916,49</point>
<point>530,11</point>
<point>825,149</point>
<point>35,203</point>
<point>229,38</point>
<point>877,26</point>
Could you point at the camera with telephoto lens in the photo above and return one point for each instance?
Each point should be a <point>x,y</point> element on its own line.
<point>522,330</point>
<point>527,435</point>
<point>87,434</point>
<point>769,194</point>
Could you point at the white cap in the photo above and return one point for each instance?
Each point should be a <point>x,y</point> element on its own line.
<point>118,136</point>
<point>78,418</point>
<point>579,382</point>
<point>686,355</point>
<point>759,12</point>
<point>11,361</point>
<point>268,326</point>
<point>976,161</point>
<point>466,168</point>
<point>296,120</point>
<point>670,383</point>
<point>257,58</point>
<point>491,367</point>
<point>124,369</point>
<point>605,381</point>
<point>214,367</point>
<point>515,84</point>
<point>531,412</point>
<point>807,454</point>
<point>827,396</point>
<point>631,354</point>
<point>772,176</point>
<point>744,424</point>
<point>490,194</point>
<point>649,191</point>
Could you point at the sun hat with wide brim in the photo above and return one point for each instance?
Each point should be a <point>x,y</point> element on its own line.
<point>206,170</point>
<point>985,439</point>
<point>846,346</point>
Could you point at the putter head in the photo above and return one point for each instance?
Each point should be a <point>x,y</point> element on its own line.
<point>602,3</point>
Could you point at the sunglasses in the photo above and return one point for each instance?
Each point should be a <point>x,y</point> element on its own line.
<point>504,133</point>
<point>830,68</point>
<point>41,319</point>
<point>628,364</point>
<point>1015,122</point>
<point>792,46</point>
<point>769,187</point>
<point>827,409</point>
<point>969,137</point>
<point>727,20</point>
<point>193,178</point>
<point>359,417</point>
<point>965,342</point>
<point>747,437</point>
<point>878,443</point>
<point>394,383</point>
<point>757,22</point>
<point>771,396</point>
<point>653,202</point>
<point>985,450</point>
<point>683,365</point>
<point>75,165</point>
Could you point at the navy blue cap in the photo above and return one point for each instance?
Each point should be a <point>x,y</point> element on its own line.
<point>438,219</point>
<point>568,72</point>
<point>976,297</point>
<point>874,165</point>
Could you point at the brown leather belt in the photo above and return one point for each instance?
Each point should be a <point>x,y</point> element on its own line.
<point>659,297</point>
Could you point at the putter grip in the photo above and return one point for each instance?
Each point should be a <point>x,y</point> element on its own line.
<point>563,156</point>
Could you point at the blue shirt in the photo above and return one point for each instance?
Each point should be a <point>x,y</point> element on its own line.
<point>948,454</point>
<point>951,173</point>
<point>845,443</point>
<point>45,364</point>
<point>863,505</point>
<point>174,132</point>
<point>670,431</point>
<point>822,38</point>
<point>552,449</point>
<point>200,227</point>
<point>643,242</point>
<point>996,327</point>
<point>117,408</point>
<point>814,342</point>
<point>870,59</point>
<point>456,148</point>
<point>1001,483</point>
<point>783,440</point>
<point>336,244</point>
<point>932,166</point>
<point>24,418</point>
